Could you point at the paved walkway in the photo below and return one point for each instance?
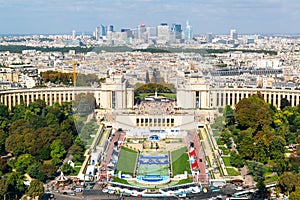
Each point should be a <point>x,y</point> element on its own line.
<point>202,177</point>
<point>119,136</point>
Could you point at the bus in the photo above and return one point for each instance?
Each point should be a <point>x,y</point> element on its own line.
<point>237,194</point>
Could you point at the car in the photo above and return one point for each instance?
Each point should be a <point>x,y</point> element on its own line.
<point>72,194</point>
<point>111,192</point>
<point>182,195</point>
<point>239,188</point>
<point>65,193</point>
<point>104,190</point>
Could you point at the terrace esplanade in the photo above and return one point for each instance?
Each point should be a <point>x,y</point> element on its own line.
<point>117,95</point>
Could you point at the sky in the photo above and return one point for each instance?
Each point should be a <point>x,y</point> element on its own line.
<point>216,16</point>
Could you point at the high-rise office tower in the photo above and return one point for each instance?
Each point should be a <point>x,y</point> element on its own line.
<point>103,30</point>
<point>233,34</point>
<point>209,37</point>
<point>141,29</point>
<point>176,28</point>
<point>188,34</point>
<point>163,32</point>
<point>111,28</point>
<point>98,33</point>
<point>73,34</point>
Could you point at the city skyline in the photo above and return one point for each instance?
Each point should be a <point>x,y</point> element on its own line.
<point>259,16</point>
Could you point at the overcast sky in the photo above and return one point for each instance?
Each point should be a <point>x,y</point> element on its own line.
<point>216,16</point>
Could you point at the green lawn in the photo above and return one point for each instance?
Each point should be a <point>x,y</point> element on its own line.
<point>120,180</point>
<point>168,95</point>
<point>226,161</point>
<point>143,95</point>
<point>153,169</point>
<point>200,135</point>
<point>270,179</point>
<point>232,172</point>
<point>216,132</point>
<point>212,126</point>
<point>184,181</point>
<point>180,161</point>
<point>127,160</point>
<point>224,150</point>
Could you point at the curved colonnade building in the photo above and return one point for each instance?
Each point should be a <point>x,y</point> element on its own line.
<point>116,96</point>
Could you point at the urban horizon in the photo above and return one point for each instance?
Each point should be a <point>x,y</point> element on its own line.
<point>265,17</point>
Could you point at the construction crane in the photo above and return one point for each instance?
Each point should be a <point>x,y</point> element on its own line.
<point>74,64</point>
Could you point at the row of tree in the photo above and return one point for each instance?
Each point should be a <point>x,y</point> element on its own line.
<point>67,78</point>
<point>261,134</point>
<point>151,88</point>
<point>34,140</point>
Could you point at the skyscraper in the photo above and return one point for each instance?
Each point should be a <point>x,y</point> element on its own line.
<point>103,30</point>
<point>178,31</point>
<point>163,32</point>
<point>188,35</point>
<point>73,34</point>
<point>97,33</point>
<point>233,34</point>
<point>209,37</point>
<point>111,28</point>
<point>141,29</point>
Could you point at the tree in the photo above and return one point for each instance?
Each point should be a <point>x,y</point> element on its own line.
<point>77,153</point>
<point>287,182</point>
<point>66,138</point>
<point>67,169</point>
<point>256,170</point>
<point>37,121</point>
<point>277,147</point>
<point>37,106</point>
<point>46,135</point>
<point>261,151</point>
<point>48,169</point>
<point>236,159</point>
<point>18,112</point>
<point>33,170</point>
<point>36,189</point>
<point>284,103</point>
<point>4,110</point>
<point>281,165</point>
<point>246,147</point>
<point>253,112</point>
<point>23,162</point>
<point>45,153</point>
<point>3,136</point>
<point>15,144</point>
<point>219,123</point>
<point>18,127</point>
<point>51,119</point>
<point>3,187</point>
<point>57,149</point>
<point>16,181</point>
<point>4,167</point>
<point>261,186</point>
<point>295,195</point>
<point>229,115</point>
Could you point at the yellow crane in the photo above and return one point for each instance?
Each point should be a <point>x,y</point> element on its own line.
<point>74,64</point>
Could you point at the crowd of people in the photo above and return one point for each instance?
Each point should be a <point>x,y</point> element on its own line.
<point>156,108</point>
